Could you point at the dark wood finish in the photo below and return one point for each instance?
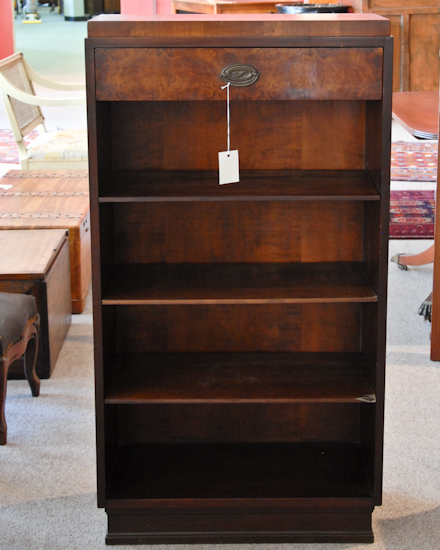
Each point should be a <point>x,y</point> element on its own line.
<point>238,422</point>
<point>237,283</point>
<point>239,329</point>
<point>313,73</point>
<point>341,146</point>
<point>242,378</point>
<point>242,26</point>
<point>37,263</point>
<point>229,472</point>
<point>200,185</point>
<point>186,232</point>
<point>57,199</point>
<point>265,327</point>
<point>417,112</point>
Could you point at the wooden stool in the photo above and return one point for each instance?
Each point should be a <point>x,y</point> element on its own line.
<point>19,324</point>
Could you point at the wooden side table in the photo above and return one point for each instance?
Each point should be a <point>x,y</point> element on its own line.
<point>37,263</point>
<point>53,200</point>
<point>417,112</point>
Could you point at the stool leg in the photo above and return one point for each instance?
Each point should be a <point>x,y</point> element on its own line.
<point>4,365</point>
<point>30,360</point>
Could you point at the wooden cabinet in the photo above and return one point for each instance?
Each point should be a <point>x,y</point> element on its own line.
<point>415,26</point>
<point>239,329</point>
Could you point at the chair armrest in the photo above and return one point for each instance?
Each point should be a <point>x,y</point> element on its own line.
<point>13,91</point>
<point>43,81</point>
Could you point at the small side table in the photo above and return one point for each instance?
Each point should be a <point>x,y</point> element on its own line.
<point>37,263</point>
<point>417,112</point>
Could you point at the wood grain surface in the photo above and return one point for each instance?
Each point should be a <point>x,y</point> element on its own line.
<point>239,25</point>
<point>164,74</point>
<point>29,254</point>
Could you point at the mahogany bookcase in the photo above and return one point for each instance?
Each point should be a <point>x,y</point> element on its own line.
<point>239,329</point>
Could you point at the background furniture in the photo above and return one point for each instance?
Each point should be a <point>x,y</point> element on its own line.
<point>415,27</point>
<point>224,6</point>
<point>19,322</point>
<point>416,31</point>
<point>37,263</point>
<point>239,329</point>
<point>50,150</point>
<point>95,7</point>
<point>417,112</point>
<point>53,200</point>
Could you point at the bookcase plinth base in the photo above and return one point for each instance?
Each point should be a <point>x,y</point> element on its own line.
<point>228,527</point>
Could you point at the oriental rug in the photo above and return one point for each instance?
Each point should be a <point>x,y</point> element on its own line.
<point>414,161</point>
<point>8,146</point>
<point>412,215</point>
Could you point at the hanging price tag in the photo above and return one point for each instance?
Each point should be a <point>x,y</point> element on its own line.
<point>228,162</point>
<point>228,167</point>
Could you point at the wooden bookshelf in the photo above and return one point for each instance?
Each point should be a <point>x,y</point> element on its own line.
<point>239,329</point>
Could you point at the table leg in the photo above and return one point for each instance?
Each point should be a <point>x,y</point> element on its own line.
<point>423,258</point>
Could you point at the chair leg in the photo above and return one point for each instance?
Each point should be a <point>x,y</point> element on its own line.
<point>30,360</point>
<point>4,365</point>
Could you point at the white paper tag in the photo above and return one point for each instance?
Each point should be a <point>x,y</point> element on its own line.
<point>228,167</point>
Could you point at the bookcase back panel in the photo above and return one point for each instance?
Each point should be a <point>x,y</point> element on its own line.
<point>305,135</point>
<point>238,423</point>
<point>268,327</point>
<point>238,232</point>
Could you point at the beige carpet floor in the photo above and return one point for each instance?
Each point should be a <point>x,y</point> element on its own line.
<point>47,469</point>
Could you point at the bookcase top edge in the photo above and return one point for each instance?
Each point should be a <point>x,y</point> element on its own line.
<point>240,25</point>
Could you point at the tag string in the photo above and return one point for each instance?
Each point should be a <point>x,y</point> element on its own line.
<point>228,115</point>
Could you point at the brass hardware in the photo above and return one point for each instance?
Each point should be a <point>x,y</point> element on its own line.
<point>240,74</point>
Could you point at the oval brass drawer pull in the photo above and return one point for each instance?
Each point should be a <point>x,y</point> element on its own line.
<point>240,74</point>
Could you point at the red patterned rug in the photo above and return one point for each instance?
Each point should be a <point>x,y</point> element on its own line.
<point>414,161</point>
<point>412,215</point>
<point>8,146</point>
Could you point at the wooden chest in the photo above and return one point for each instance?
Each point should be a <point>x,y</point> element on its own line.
<point>53,200</point>
<point>37,263</point>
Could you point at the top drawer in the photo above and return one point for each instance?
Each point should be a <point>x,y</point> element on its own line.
<point>190,74</point>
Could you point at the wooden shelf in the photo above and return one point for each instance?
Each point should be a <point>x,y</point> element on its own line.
<point>202,185</point>
<point>239,329</point>
<point>242,283</point>
<point>238,471</point>
<point>240,378</point>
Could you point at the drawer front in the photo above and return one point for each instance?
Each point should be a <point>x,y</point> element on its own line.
<point>187,74</point>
